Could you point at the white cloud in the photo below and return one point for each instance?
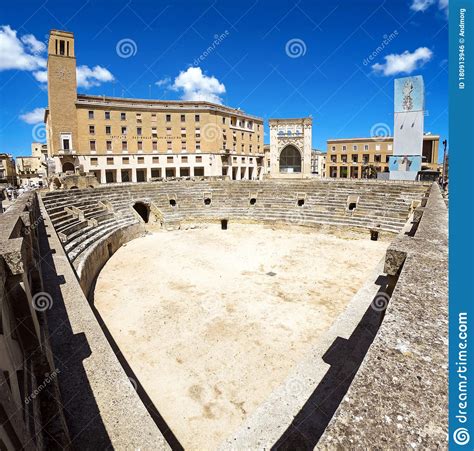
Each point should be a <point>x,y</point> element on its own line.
<point>33,117</point>
<point>41,76</point>
<point>163,82</point>
<point>29,54</point>
<point>33,44</point>
<point>87,77</point>
<point>423,5</point>
<point>404,63</point>
<point>197,86</point>
<point>24,54</point>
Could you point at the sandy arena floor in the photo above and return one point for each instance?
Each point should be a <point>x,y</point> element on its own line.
<point>212,321</point>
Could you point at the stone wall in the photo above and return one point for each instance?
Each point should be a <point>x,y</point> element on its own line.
<point>30,411</point>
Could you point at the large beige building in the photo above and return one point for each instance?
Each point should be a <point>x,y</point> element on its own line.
<point>365,157</point>
<point>122,140</point>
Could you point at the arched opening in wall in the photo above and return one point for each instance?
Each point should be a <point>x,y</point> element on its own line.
<point>172,202</point>
<point>143,210</point>
<point>253,201</point>
<point>74,187</point>
<point>68,166</point>
<point>290,160</point>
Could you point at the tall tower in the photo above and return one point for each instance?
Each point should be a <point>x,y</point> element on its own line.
<point>61,119</point>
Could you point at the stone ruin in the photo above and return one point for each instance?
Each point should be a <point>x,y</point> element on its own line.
<point>378,379</point>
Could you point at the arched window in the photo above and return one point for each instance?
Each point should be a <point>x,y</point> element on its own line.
<point>290,160</point>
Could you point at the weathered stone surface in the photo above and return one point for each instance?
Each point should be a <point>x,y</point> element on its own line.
<point>398,398</point>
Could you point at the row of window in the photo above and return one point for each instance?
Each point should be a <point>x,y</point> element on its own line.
<point>141,160</point>
<point>197,118</point>
<point>154,132</point>
<point>355,158</point>
<point>169,146</point>
<point>366,147</point>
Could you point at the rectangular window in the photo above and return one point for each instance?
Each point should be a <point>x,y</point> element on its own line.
<point>125,160</point>
<point>154,132</point>
<point>110,160</point>
<point>61,47</point>
<point>108,129</point>
<point>124,130</point>
<point>141,160</point>
<point>92,145</point>
<point>94,161</point>
<point>91,115</point>
<point>183,145</point>
<point>156,160</point>
<point>108,145</point>
<point>168,145</point>
<point>168,131</point>
<point>344,148</point>
<point>139,131</point>
<point>169,159</point>
<point>107,115</point>
<point>344,158</point>
<point>139,118</point>
<point>223,120</point>
<point>92,129</point>
<point>183,117</point>
<point>198,159</point>
<point>366,147</point>
<point>123,116</point>
<point>124,145</point>
<point>354,147</point>
<point>198,145</point>
<point>153,117</point>
<point>168,118</point>
<point>154,145</point>
<point>196,118</point>
<point>378,158</point>
<point>197,132</point>
<point>184,159</point>
<point>355,158</point>
<point>140,145</point>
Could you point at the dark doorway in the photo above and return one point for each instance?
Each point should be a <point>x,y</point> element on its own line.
<point>143,210</point>
<point>224,224</point>
<point>68,167</point>
<point>140,175</point>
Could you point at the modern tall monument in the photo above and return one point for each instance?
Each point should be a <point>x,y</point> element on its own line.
<point>405,162</point>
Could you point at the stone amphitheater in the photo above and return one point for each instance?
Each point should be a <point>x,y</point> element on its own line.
<point>91,360</point>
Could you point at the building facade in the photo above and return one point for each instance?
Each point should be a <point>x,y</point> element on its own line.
<point>7,169</point>
<point>32,170</point>
<point>289,152</point>
<point>368,157</point>
<point>135,140</point>
<point>318,163</point>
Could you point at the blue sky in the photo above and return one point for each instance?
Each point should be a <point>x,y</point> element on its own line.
<point>335,61</point>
